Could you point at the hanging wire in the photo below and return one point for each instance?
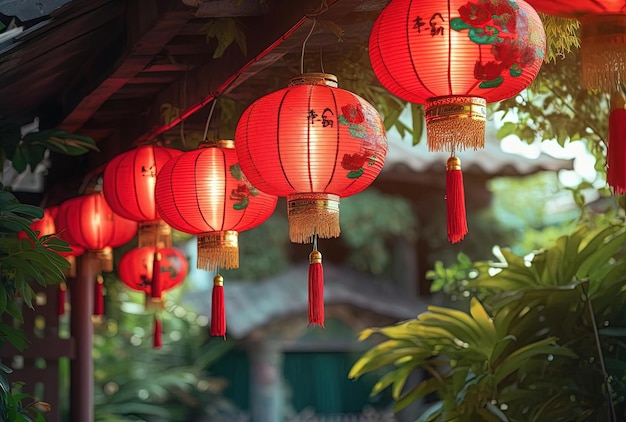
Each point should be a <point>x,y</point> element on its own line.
<point>321,59</point>
<point>208,120</point>
<point>304,46</point>
<point>315,240</point>
<point>184,95</point>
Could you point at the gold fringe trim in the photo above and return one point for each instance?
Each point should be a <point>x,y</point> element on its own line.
<point>71,271</point>
<point>106,259</point>
<point>603,51</point>
<point>455,123</point>
<point>218,250</point>
<point>154,233</point>
<point>312,213</point>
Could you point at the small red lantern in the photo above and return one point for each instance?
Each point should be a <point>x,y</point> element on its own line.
<point>128,186</point>
<point>204,192</point>
<point>313,143</point>
<point>89,222</point>
<point>453,57</point>
<point>136,268</point>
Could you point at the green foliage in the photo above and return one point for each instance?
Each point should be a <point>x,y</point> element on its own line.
<point>356,75</point>
<point>22,263</point>
<point>561,36</point>
<point>452,280</point>
<point>30,149</point>
<point>271,238</point>
<point>13,405</point>
<point>136,382</point>
<point>557,107</point>
<point>225,31</point>
<point>527,350</point>
<point>371,223</point>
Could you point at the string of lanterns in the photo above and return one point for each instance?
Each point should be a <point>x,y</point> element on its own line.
<point>314,143</point>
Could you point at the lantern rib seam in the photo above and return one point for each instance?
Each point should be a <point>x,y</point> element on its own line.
<point>225,172</point>
<point>136,195</point>
<point>249,154</point>
<point>195,189</point>
<point>332,175</point>
<point>308,145</point>
<point>280,158</point>
<point>408,44</point>
<point>114,194</point>
<point>171,185</point>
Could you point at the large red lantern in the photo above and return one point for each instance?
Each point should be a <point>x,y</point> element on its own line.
<point>89,222</point>
<point>603,67</point>
<point>204,192</point>
<point>128,186</point>
<point>602,46</point>
<point>453,57</point>
<point>313,143</point>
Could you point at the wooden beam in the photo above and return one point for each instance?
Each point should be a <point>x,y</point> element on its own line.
<point>162,28</point>
<point>228,8</point>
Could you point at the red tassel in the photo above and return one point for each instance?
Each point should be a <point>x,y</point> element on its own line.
<point>218,315</point>
<point>157,285</point>
<point>455,201</point>
<point>316,289</point>
<point>157,340</point>
<point>98,307</point>
<point>61,299</point>
<point>616,145</point>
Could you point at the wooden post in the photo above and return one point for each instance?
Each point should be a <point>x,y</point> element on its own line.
<point>81,367</point>
<point>266,390</point>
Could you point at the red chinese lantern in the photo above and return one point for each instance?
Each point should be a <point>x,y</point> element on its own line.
<point>89,222</point>
<point>602,46</point>
<point>128,186</point>
<point>137,268</point>
<point>454,57</point>
<point>313,143</point>
<point>204,192</point>
<point>603,67</point>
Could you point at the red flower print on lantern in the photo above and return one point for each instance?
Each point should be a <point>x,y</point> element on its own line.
<point>354,163</point>
<point>474,14</point>
<point>353,113</point>
<point>503,31</point>
<point>487,71</point>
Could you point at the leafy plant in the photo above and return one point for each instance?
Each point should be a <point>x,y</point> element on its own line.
<point>226,31</point>
<point>530,348</point>
<point>136,382</point>
<point>12,405</point>
<point>22,262</point>
<point>30,148</point>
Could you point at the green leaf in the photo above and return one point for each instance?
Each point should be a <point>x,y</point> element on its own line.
<point>19,159</point>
